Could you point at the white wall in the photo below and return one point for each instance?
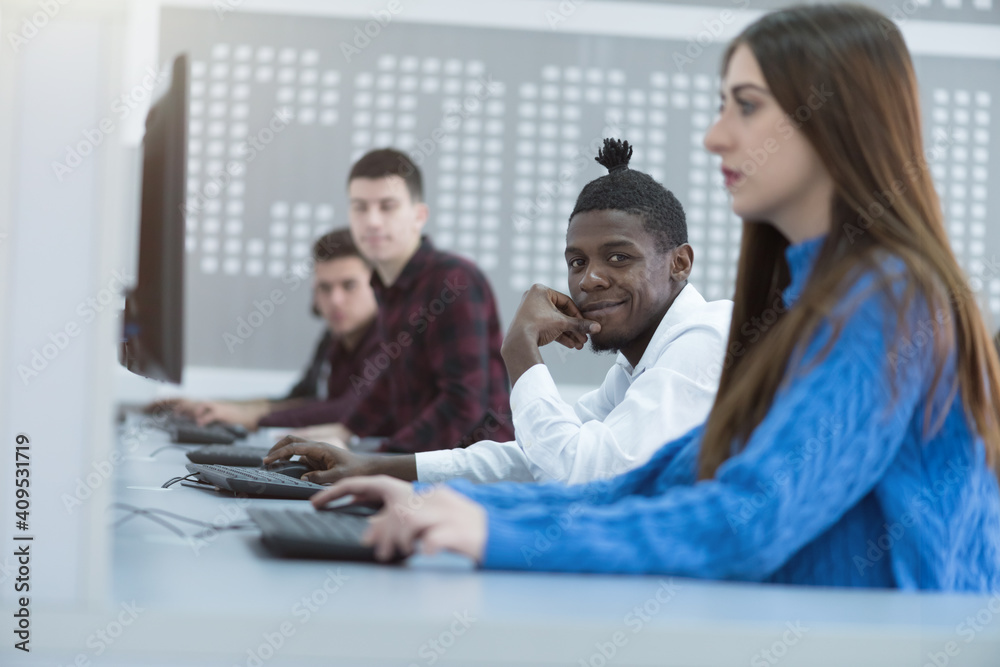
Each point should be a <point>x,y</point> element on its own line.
<point>61,249</point>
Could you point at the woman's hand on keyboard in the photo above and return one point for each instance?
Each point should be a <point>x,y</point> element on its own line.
<point>440,519</point>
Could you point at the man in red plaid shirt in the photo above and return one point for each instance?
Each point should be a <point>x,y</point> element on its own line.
<point>437,380</point>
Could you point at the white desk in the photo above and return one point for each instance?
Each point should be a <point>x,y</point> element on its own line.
<point>211,605</point>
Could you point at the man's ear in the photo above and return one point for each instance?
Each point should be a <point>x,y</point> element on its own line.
<point>423,212</point>
<point>681,262</point>
<point>314,309</point>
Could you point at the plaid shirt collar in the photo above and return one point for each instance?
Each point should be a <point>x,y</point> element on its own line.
<point>413,268</point>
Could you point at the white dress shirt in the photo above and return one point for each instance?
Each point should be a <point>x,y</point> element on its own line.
<point>616,427</point>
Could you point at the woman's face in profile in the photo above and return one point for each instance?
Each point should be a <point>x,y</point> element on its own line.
<point>770,169</point>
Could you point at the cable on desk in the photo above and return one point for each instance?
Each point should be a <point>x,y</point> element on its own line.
<point>138,511</point>
<point>152,512</point>
<point>156,510</point>
<point>170,482</point>
<point>246,525</point>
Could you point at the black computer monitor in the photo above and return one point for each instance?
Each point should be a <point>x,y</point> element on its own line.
<point>153,332</point>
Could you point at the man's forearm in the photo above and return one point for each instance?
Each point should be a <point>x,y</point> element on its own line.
<point>400,466</point>
<point>520,352</point>
<point>283,404</point>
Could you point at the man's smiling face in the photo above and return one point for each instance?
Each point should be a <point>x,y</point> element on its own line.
<point>619,277</point>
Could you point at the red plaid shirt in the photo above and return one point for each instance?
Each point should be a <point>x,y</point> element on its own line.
<point>437,380</point>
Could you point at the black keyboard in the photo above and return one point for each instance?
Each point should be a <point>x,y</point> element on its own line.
<point>323,534</point>
<point>230,455</point>
<point>255,482</point>
<point>185,431</point>
<point>192,434</point>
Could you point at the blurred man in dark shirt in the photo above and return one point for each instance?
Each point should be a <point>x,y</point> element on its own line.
<point>343,297</point>
<point>437,380</point>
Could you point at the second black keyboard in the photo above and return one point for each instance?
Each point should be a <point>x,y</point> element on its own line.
<point>318,534</point>
<point>229,455</point>
<point>255,482</point>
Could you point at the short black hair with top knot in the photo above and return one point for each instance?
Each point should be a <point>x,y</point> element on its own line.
<point>624,189</point>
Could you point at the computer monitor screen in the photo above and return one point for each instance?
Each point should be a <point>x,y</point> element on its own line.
<point>153,332</point>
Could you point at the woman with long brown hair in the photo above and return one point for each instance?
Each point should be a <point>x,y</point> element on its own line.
<point>856,423</point>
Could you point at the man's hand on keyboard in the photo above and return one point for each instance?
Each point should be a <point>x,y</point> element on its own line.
<point>178,406</point>
<point>441,519</point>
<point>334,463</point>
<point>331,463</point>
<point>244,413</point>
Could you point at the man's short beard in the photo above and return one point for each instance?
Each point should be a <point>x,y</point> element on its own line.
<point>613,345</point>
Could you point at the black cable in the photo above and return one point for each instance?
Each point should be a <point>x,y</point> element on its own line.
<point>170,482</point>
<point>231,526</point>
<point>152,512</point>
<point>152,517</point>
<point>179,517</point>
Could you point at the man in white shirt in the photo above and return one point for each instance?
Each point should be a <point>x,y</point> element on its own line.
<point>629,261</point>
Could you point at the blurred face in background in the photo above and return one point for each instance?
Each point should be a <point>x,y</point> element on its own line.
<point>343,295</point>
<point>385,221</point>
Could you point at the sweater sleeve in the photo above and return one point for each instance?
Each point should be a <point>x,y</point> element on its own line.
<point>830,434</point>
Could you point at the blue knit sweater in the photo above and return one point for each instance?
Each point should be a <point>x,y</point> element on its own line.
<point>839,485</point>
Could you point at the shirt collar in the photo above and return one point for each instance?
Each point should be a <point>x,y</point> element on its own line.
<point>421,258</point>
<point>800,257</point>
<point>336,343</point>
<point>687,301</point>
